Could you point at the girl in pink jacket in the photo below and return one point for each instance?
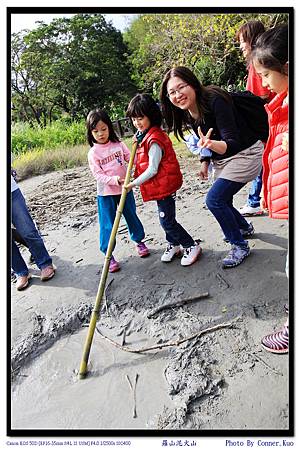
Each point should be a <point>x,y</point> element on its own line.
<point>107,158</point>
<point>270,59</point>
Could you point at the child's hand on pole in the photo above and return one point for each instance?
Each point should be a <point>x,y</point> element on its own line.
<point>121,180</point>
<point>128,186</point>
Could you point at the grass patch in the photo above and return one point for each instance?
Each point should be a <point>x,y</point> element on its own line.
<point>57,135</point>
<point>40,160</point>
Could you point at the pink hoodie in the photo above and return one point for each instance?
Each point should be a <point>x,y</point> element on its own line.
<point>107,163</point>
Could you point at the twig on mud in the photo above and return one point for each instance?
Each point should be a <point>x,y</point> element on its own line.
<point>133,390</point>
<point>123,337</point>
<point>258,358</point>
<point>105,295</point>
<point>223,281</point>
<point>74,205</point>
<point>178,303</point>
<point>162,300</point>
<point>123,332</point>
<point>13,371</point>
<point>168,344</point>
<point>123,230</point>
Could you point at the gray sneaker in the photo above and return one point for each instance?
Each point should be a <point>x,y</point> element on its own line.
<point>245,233</point>
<point>236,256</point>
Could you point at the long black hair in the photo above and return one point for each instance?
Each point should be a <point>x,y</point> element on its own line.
<point>92,119</point>
<point>272,50</point>
<point>178,119</point>
<point>144,105</point>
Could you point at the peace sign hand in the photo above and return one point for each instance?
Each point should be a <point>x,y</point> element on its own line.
<point>205,140</point>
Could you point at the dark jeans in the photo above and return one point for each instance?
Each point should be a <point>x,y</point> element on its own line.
<point>254,192</point>
<point>219,201</point>
<point>175,233</point>
<point>25,226</point>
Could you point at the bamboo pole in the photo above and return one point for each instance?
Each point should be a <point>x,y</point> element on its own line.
<point>102,283</point>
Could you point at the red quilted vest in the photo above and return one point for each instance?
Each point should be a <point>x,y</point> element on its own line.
<point>168,178</point>
<point>275,160</point>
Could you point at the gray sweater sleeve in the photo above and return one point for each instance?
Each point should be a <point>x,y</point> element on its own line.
<point>155,155</point>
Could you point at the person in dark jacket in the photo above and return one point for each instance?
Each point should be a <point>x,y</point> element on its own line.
<point>236,149</point>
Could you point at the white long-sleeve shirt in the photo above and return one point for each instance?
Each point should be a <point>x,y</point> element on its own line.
<point>155,154</point>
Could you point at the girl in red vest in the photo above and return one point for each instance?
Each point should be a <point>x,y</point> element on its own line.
<point>158,174</point>
<point>270,59</point>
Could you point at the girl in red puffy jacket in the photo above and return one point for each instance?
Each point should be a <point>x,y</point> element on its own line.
<point>158,175</point>
<point>270,59</point>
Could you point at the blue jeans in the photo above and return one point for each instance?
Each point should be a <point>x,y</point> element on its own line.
<point>219,201</point>
<point>175,233</point>
<point>254,192</point>
<point>107,208</point>
<point>25,226</point>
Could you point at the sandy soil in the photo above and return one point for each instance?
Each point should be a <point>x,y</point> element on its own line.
<point>221,380</point>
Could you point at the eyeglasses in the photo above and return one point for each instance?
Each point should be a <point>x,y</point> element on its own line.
<point>180,89</point>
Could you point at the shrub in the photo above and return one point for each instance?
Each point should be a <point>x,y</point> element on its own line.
<point>59,133</point>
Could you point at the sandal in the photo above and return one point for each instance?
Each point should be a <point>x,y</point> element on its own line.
<point>23,282</point>
<point>47,273</point>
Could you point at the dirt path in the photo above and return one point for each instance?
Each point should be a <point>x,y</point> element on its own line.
<point>222,380</point>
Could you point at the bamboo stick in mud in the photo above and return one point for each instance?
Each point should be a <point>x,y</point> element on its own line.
<point>102,283</point>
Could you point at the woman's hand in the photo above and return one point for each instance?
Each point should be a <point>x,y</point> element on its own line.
<point>203,174</point>
<point>121,180</point>
<point>205,141</point>
<point>263,204</point>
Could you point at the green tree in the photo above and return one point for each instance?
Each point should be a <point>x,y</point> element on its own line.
<point>27,99</point>
<point>204,42</point>
<point>71,65</point>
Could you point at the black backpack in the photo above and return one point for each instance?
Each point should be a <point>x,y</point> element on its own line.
<point>250,109</point>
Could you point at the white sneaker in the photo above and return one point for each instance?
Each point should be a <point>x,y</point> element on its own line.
<point>248,210</point>
<point>191,254</point>
<point>170,252</point>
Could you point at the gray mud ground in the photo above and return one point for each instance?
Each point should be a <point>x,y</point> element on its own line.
<point>221,380</point>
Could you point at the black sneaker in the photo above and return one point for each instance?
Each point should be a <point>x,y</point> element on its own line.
<point>249,232</point>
